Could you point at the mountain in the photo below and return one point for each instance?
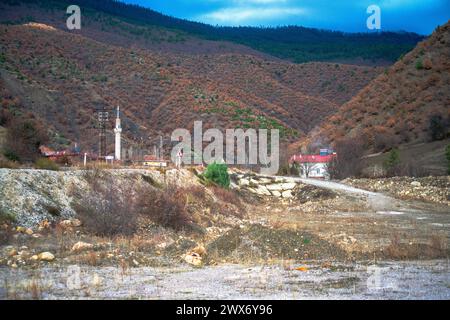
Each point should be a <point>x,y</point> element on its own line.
<point>297,44</point>
<point>410,102</point>
<point>63,78</point>
<point>161,82</point>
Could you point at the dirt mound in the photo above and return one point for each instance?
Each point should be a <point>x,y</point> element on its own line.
<point>263,243</point>
<point>306,193</point>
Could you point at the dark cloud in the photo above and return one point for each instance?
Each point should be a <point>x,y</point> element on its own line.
<point>345,15</point>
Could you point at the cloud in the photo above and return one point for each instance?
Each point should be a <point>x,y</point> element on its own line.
<point>250,15</point>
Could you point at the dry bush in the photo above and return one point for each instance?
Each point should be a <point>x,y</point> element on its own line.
<point>228,196</point>
<point>198,192</point>
<point>6,234</point>
<point>7,164</point>
<point>410,168</point>
<point>107,209</point>
<point>166,207</point>
<point>384,141</point>
<point>398,250</point>
<point>23,139</point>
<point>348,162</point>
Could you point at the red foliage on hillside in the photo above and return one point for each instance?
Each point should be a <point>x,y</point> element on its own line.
<point>400,105</point>
<point>62,77</point>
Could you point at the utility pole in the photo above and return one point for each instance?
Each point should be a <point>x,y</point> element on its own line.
<point>103,118</point>
<point>161,151</point>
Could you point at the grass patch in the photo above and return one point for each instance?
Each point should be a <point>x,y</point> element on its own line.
<point>46,164</point>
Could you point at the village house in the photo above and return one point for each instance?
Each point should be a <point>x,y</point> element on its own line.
<point>313,165</point>
<point>153,161</point>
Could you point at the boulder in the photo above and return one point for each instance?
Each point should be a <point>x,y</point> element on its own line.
<point>276,194</point>
<point>70,223</point>
<point>12,252</point>
<point>193,259</point>
<point>46,256</point>
<point>200,250</point>
<point>81,246</point>
<point>275,187</point>
<point>263,191</point>
<point>243,182</point>
<point>21,229</point>
<point>287,194</point>
<point>416,184</point>
<point>288,186</point>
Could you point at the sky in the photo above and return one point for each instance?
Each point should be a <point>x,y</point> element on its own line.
<point>421,16</point>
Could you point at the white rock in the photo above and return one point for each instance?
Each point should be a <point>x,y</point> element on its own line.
<point>275,187</point>
<point>193,259</point>
<point>262,190</point>
<point>46,256</point>
<point>276,193</point>
<point>288,186</point>
<point>287,194</point>
<point>416,184</point>
<point>243,182</point>
<point>80,246</point>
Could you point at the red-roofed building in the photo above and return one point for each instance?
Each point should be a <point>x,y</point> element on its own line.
<point>313,165</point>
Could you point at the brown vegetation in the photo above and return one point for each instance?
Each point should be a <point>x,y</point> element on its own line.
<point>408,103</point>
<point>72,75</point>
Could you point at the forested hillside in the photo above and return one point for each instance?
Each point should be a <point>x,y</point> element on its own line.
<point>409,102</point>
<point>295,43</point>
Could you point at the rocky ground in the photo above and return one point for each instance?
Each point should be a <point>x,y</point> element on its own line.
<point>383,280</point>
<point>288,227</point>
<point>431,189</point>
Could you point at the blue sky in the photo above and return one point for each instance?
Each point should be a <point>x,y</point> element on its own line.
<point>421,16</point>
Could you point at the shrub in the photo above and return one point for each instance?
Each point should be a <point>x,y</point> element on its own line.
<point>166,208</point>
<point>8,164</point>
<point>438,127</point>
<point>419,64</point>
<point>229,196</point>
<point>384,141</point>
<point>23,139</point>
<point>10,155</point>
<point>6,216</point>
<point>348,161</point>
<point>392,163</point>
<point>217,173</point>
<point>107,209</point>
<point>46,164</point>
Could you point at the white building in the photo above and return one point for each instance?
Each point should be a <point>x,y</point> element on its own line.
<point>313,166</point>
<point>118,132</point>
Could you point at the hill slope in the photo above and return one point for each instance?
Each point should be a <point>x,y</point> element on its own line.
<point>398,105</point>
<point>62,77</point>
<point>294,43</point>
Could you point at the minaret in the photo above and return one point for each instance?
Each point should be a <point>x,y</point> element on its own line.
<point>117,132</point>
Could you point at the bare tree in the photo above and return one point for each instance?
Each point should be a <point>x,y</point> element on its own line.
<point>348,162</point>
<point>306,168</point>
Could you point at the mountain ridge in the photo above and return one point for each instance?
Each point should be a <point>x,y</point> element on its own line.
<point>294,43</point>
<point>401,104</point>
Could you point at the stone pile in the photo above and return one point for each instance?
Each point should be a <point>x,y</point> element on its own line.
<point>279,187</point>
